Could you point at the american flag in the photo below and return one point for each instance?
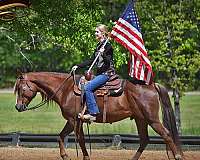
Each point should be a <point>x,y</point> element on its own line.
<point>127,32</point>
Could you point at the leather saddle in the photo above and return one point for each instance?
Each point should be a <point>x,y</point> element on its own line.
<point>114,86</point>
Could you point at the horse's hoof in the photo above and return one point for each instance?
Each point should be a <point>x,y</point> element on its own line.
<point>178,157</point>
<point>66,157</point>
<point>86,158</point>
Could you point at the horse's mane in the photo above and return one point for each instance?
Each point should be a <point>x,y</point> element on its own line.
<point>43,94</point>
<point>57,74</point>
<point>46,98</point>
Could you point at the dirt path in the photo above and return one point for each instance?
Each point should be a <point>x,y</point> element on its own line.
<point>105,154</point>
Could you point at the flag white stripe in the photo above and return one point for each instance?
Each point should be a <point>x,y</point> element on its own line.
<point>148,76</point>
<point>137,68</point>
<point>142,73</point>
<point>132,65</point>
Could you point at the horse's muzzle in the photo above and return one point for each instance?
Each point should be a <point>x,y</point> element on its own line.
<point>20,107</point>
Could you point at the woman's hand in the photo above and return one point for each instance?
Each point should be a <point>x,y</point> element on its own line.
<point>102,49</point>
<point>74,68</point>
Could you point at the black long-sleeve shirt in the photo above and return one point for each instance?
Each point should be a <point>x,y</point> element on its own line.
<point>104,63</point>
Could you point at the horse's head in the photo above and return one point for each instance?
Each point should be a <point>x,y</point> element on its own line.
<point>25,91</point>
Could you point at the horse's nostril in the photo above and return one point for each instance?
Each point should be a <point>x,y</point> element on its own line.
<point>17,107</point>
<point>20,107</point>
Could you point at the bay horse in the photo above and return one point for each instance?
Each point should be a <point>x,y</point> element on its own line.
<point>139,102</point>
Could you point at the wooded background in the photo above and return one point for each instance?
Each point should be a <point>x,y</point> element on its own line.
<point>55,35</point>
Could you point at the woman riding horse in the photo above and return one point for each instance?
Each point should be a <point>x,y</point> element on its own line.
<point>105,68</point>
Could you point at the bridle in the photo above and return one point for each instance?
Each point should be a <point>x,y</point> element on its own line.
<point>47,100</point>
<point>30,89</point>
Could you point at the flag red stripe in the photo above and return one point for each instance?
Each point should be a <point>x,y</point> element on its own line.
<point>130,31</point>
<point>129,48</point>
<point>132,52</point>
<point>142,56</point>
<point>132,42</point>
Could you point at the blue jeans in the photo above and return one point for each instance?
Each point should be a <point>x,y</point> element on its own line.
<point>89,89</point>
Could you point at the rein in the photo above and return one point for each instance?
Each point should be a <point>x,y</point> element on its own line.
<point>47,100</point>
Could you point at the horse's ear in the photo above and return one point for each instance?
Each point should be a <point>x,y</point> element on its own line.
<point>19,74</point>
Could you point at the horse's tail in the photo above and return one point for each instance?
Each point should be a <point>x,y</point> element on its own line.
<point>168,115</point>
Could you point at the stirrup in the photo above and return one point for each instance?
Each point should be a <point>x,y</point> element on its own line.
<point>89,117</point>
<point>80,115</point>
<point>86,117</point>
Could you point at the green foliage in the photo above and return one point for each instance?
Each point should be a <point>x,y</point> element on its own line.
<point>55,35</point>
<point>171,33</point>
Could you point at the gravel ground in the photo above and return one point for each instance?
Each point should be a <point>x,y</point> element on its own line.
<point>20,153</point>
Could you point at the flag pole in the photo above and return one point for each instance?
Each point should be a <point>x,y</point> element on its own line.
<point>97,56</point>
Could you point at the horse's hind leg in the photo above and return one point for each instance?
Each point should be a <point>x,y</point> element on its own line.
<point>144,138</point>
<point>69,127</point>
<point>164,133</point>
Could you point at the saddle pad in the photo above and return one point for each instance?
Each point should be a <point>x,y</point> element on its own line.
<point>113,83</point>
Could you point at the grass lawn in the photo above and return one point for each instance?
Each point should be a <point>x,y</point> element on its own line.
<point>190,114</point>
<point>48,119</point>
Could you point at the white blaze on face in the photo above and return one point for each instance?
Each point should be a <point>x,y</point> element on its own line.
<point>16,93</point>
<point>16,97</point>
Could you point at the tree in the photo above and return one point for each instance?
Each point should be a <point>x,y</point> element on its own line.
<point>181,20</point>
<point>54,35</point>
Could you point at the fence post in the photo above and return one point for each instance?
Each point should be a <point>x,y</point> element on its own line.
<point>15,139</point>
<point>66,142</point>
<point>117,141</point>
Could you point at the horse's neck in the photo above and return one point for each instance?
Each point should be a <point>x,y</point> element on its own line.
<point>48,83</point>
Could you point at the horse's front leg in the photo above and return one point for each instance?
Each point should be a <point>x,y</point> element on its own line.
<point>69,127</point>
<point>81,139</point>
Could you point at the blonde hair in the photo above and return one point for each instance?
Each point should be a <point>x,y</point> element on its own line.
<point>104,29</point>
